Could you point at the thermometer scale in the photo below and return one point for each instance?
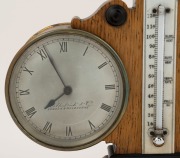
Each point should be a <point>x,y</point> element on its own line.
<point>159,79</point>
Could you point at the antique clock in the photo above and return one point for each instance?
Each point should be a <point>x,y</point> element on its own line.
<point>112,77</point>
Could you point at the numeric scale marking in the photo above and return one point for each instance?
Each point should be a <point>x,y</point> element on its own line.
<point>159,74</point>
<point>24,92</point>
<point>42,54</point>
<point>69,131</point>
<point>85,51</point>
<point>27,70</point>
<point>47,127</point>
<point>102,65</point>
<point>63,47</point>
<point>30,112</point>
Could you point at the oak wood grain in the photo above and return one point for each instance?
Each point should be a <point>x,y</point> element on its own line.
<point>127,41</point>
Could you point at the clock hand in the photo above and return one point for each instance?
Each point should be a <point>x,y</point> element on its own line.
<point>52,63</point>
<point>67,91</point>
<point>52,102</point>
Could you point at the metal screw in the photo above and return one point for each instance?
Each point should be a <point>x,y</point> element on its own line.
<point>152,133</point>
<point>168,10</point>
<point>154,10</point>
<point>165,132</point>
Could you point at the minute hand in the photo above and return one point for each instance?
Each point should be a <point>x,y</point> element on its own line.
<point>52,63</point>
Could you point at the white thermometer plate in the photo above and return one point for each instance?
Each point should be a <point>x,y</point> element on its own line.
<point>159,59</point>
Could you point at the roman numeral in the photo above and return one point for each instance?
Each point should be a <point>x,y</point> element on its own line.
<point>102,65</point>
<point>91,125</point>
<point>47,127</point>
<point>68,131</point>
<point>85,51</point>
<point>42,53</point>
<point>63,47</point>
<point>106,107</point>
<point>30,112</point>
<point>109,87</point>
<point>24,92</point>
<point>27,70</point>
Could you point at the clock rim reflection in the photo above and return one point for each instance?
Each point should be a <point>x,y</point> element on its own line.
<point>66,29</point>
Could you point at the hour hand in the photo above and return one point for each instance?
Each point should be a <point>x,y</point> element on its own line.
<point>53,101</point>
<point>67,91</point>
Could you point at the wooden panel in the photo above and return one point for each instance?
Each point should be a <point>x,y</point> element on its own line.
<point>127,40</point>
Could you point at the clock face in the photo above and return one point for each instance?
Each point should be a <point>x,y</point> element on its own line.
<point>67,89</point>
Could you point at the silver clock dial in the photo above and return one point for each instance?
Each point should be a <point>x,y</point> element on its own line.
<point>67,89</point>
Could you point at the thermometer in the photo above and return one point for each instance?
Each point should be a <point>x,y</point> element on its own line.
<point>159,76</point>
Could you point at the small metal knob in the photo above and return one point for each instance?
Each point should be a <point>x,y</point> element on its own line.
<point>116,15</point>
<point>158,141</point>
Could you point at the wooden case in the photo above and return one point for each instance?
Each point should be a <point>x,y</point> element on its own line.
<point>127,41</point>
